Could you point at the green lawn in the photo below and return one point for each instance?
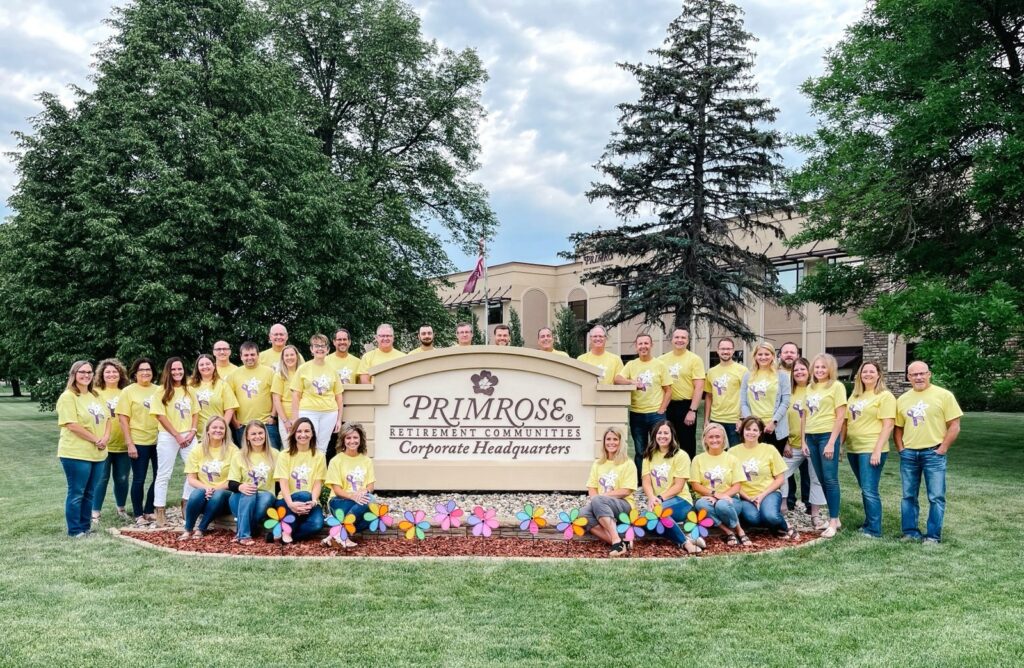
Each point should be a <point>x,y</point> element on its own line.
<point>847,602</point>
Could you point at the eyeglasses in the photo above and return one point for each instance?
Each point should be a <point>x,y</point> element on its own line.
<point>222,350</point>
<point>318,346</point>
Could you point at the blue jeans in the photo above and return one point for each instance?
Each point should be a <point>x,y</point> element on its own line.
<point>250,510</point>
<point>930,464</point>
<point>305,526</point>
<point>209,508</point>
<point>121,464</point>
<point>82,476</point>
<point>827,470</point>
<point>679,507</point>
<point>350,506</point>
<point>145,460</point>
<point>640,425</point>
<point>768,515</point>
<point>731,434</point>
<point>273,435</point>
<point>868,477</point>
<point>721,512</point>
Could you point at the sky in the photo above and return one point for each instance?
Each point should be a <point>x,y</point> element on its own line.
<point>550,99</point>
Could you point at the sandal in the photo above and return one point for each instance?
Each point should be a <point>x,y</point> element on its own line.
<point>819,523</point>
<point>185,535</point>
<point>617,550</point>
<point>745,540</point>
<point>730,540</point>
<point>141,522</point>
<point>328,542</point>
<point>790,535</point>
<point>246,541</point>
<point>197,534</point>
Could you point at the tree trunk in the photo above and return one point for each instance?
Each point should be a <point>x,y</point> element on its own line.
<point>16,387</point>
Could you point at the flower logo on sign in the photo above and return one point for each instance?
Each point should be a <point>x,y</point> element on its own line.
<point>484,382</point>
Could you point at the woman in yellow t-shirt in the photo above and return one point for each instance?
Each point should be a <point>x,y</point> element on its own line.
<point>177,415</point>
<point>82,448</point>
<point>213,394</point>
<point>280,389</point>
<point>822,426</point>
<point>140,429</point>
<point>793,452</point>
<point>300,471</point>
<point>207,469</point>
<point>251,482</point>
<point>351,478</point>
<point>666,468</point>
<point>764,393</point>
<point>763,473</point>
<point>316,393</point>
<point>610,487</point>
<point>715,475</point>
<point>111,378</point>
<point>869,422</point>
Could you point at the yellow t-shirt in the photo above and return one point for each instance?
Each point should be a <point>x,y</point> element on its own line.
<point>135,402</point>
<point>683,370</point>
<point>319,386</point>
<point>282,387</point>
<point>762,390</point>
<point>252,390</point>
<point>923,416</point>
<point>259,472</point>
<point>822,403</point>
<point>560,352</point>
<point>88,411</point>
<point>271,358</point>
<point>179,409</point>
<point>723,384</point>
<point>212,469</point>
<point>664,472</point>
<point>301,471</point>
<point>719,473</point>
<point>420,349</point>
<point>606,476</point>
<point>796,409</point>
<point>213,400</point>
<point>224,372</point>
<point>350,473</point>
<point>652,376</point>
<point>759,466</point>
<point>347,368</point>
<point>375,357</point>
<point>609,363</point>
<point>864,415</point>
<point>111,398</point>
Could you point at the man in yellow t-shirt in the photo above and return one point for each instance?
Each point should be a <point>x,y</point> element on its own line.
<point>927,424</point>
<point>687,372</point>
<point>384,352</point>
<point>278,337</point>
<point>502,335</point>
<point>345,364</point>
<point>652,390</point>
<point>610,364</point>
<point>426,338</point>
<point>222,353</point>
<point>546,342</point>
<point>251,384</point>
<point>722,392</point>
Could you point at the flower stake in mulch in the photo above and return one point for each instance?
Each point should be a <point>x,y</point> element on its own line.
<point>378,517</point>
<point>531,518</point>
<point>630,526</point>
<point>571,524</point>
<point>414,525</point>
<point>659,519</point>
<point>483,521</point>
<point>343,525</point>
<point>280,523</point>
<point>697,524</point>
<point>448,516</point>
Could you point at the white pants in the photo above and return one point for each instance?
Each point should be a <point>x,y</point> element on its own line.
<point>167,450</point>
<point>323,426</point>
<point>817,496</point>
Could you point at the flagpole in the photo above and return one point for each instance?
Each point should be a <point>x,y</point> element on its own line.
<point>487,297</point>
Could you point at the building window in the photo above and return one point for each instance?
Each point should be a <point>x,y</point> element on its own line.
<point>790,276</point>
<point>848,359</point>
<point>579,310</point>
<point>495,313</point>
<point>624,290</point>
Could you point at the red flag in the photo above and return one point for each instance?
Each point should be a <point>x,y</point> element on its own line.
<point>475,275</point>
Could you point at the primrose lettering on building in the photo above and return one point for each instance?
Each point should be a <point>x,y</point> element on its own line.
<point>484,418</point>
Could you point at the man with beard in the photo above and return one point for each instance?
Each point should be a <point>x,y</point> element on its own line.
<point>426,337</point>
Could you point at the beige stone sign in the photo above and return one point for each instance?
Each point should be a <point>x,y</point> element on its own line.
<point>485,417</point>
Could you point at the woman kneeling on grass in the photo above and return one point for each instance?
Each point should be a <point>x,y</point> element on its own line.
<point>300,470</point>
<point>716,474</point>
<point>763,473</point>
<point>207,469</point>
<point>610,488</point>
<point>665,471</point>
<point>251,482</point>
<point>351,478</point>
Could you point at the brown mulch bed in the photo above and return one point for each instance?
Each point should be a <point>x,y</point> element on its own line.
<point>458,545</point>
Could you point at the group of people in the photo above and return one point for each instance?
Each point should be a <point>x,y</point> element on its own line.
<point>230,424</point>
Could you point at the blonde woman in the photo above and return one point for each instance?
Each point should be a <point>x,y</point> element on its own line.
<point>764,394</point>
<point>251,481</point>
<point>111,378</point>
<point>213,394</point>
<point>207,468</point>
<point>793,452</point>
<point>316,393</point>
<point>610,487</point>
<point>175,412</point>
<point>869,423</point>
<point>715,476</point>
<point>291,360</point>
<point>822,426</point>
<point>82,449</point>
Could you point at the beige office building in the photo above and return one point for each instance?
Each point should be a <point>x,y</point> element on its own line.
<point>538,291</point>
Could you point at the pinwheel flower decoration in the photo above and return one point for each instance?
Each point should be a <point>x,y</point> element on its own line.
<point>414,525</point>
<point>571,524</point>
<point>630,526</point>
<point>531,518</point>
<point>378,517</point>
<point>342,524</point>
<point>448,516</point>
<point>483,521</point>
<point>697,524</point>
<point>658,519</point>
<point>280,522</point>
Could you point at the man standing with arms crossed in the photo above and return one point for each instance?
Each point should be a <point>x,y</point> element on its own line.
<point>687,373</point>
<point>722,392</point>
<point>609,363</point>
<point>652,390</point>
<point>927,424</point>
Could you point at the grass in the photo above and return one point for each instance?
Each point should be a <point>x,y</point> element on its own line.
<point>847,602</point>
